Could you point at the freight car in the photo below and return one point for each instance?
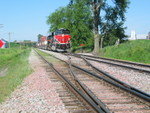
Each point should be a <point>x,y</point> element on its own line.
<point>42,42</point>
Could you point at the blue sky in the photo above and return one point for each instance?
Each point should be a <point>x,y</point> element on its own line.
<point>27,18</point>
<point>138,17</point>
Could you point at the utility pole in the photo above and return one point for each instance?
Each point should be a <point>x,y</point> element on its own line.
<point>1,25</point>
<point>9,37</point>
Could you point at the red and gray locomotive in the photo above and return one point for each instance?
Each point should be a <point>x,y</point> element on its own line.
<point>60,40</point>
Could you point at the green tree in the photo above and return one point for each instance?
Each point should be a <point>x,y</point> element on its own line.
<point>76,18</point>
<point>113,33</point>
<point>39,37</point>
<point>107,14</point>
<point>111,15</point>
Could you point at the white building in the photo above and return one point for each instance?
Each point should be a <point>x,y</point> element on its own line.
<point>148,37</point>
<point>133,36</point>
<point>142,36</point>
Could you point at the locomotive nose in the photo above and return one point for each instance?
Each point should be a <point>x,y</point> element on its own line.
<point>63,38</point>
<point>63,35</point>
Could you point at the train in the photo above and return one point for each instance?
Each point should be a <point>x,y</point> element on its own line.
<point>59,40</point>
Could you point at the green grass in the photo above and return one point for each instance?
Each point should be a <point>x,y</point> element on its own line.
<point>79,49</point>
<point>16,60</point>
<point>6,55</point>
<point>49,57</point>
<point>136,51</point>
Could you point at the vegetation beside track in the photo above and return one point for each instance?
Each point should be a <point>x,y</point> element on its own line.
<point>15,61</point>
<point>49,57</point>
<point>136,51</point>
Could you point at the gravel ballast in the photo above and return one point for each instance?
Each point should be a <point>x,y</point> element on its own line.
<point>37,94</point>
<point>137,79</point>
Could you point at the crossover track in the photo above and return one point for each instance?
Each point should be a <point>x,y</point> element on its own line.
<point>108,93</point>
<point>81,91</point>
<point>113,80</point>
<point>110,79</point>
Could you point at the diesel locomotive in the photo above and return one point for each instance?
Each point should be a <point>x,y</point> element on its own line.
<point>60,40</point>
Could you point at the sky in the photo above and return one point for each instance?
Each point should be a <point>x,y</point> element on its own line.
<point>138,18</point>
<point>25,19</point>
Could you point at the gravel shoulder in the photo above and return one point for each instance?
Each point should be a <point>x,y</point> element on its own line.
<point>37,94</point>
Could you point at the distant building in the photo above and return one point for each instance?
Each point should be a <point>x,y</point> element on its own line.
<point>4,43</point>
<point>142,36</point>
<point>133,36</point>
<point>148,37</point>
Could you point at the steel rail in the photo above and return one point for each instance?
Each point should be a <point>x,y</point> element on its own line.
<point>122,61</point>
<point>86,98</point>
<point>119,83</point>
<point>143,70</point>
<point>90,94</point>
<point>137,69</point>
<point>145,97</point>
<point>98,102</point>
<point>117,80</point>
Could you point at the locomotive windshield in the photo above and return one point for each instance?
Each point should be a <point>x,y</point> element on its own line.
<point>49,37</point>
<point>65,32</point>
<point>62,31</point>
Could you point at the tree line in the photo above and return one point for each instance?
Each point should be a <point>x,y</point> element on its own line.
<point>90,21</point>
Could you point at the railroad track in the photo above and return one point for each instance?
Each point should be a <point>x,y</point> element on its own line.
<point>126,64</point>
<point>138,76</point>
<point>121,85</point>
<point>71,93</point>
<point>117,96</point>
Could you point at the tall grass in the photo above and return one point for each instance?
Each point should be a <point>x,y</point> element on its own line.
<point>137,51</point>
<point>16,62</point>
<point>49,57</point>
<point>6,55</point>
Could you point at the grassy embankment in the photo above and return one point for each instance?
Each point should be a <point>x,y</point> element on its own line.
<point>14,67</point>
<point>136,51</point>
